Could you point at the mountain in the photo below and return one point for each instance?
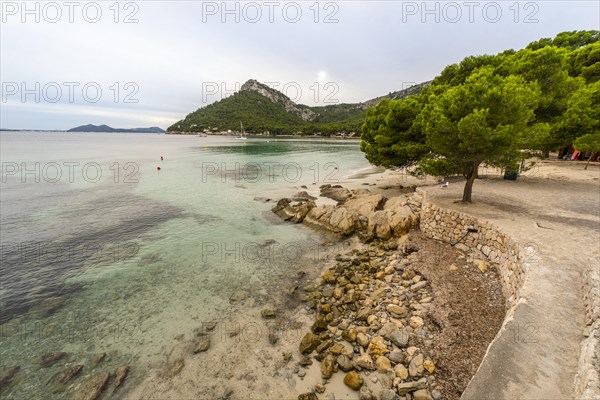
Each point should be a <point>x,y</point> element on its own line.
<point>261,109</point>
<point>106,128</point>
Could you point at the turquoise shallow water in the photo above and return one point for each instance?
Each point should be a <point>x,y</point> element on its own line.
<point>103,253</point>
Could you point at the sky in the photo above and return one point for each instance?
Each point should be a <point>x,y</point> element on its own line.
<point>150,63</point>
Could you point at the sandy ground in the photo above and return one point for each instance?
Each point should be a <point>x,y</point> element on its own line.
<point>242,363</point>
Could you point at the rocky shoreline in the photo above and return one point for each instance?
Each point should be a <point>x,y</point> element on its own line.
<point>375,315</point>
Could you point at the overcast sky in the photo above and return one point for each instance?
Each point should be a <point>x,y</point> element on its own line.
<point>156,61</point>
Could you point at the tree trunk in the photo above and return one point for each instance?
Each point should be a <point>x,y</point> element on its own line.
<point>471,176</point>
<point>588,161</point>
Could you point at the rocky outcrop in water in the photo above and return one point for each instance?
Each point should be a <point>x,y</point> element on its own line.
<point>372,216</point>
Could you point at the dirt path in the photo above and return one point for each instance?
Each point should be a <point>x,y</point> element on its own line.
<point>556,212</point>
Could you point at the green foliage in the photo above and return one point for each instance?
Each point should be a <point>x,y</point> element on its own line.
<point>570,40</point>
<point>495,110</point>
<point>583,113</point>
<point>482,120</point>
<point>589,143</point>
<point>585,62</point>
<point>390,137</point>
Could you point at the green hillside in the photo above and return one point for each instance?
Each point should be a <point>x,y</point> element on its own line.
<point>255,111</point>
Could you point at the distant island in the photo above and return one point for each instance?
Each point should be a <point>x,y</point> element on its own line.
<point>106,128</point>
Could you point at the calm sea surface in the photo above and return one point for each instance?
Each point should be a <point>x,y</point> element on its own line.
<point>104,253</point>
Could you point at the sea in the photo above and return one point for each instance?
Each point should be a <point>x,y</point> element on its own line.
<point>120,243</point>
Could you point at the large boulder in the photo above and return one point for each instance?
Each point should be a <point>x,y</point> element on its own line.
<point>402,220</point>
<point>288,211</point>
<point>336,192</point>
<point>365,205</point>
<point>379,225</point>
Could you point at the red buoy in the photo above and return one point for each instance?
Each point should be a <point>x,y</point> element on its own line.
<point>158,168</point>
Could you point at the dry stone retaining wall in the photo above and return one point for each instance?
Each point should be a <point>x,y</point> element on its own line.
<point>489,242</point>
<point>512,260</point>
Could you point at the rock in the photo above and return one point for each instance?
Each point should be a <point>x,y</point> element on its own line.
<point>120,375</point>
<point>412,350</point>
<point>344,363</point>
<point>418,285</point>
<point>320,388</point>
<point>268,313</point>
<point>308,396</point>
<point>320,324</point>
<point>483,267</point>
<point>93,388</point>
<point>415,368</point>
<point>353,380</point>
<point>379,225</point>
<point>51,358</point>
<point>365,394</point>
<point>273,339</point>
<point>7,375</point>
<point>309,343</point>
<point>68,374</point>
<point>400,337</point>
<point>176,367</point>
<point>338,194</point>
<point>453,267</point>
<point>305,361</point>
<point>338,293</point>
<point>377,347</point>
<point>51,304</point>
<point>401,220</point>
<point>387,394</point>
<point>365,204</point>
<point>327,366</point>
<point>396,356</point>
<point>350,335</point>
<point>303,196</point>
<point>422,394</point>
<point>383,364</point>
<point>362,339</point>
<point>99,358</point>
<point>397,311</point>
<point>365,361</point>
<point>408,387</point>
<point>325,345</point>
<point>429,366</point>
<point>416,322</point>
<point>436,394</point>
<point>401,372</point>
<point>238,295</point>
<point>202,345</point>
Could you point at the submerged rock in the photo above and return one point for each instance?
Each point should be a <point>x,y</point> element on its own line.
<point>202,345</point>
<point>68,374</point>
<point>7,374</point>
<point>51,358</point>
<point>120,375</point>
<point>93,388</point>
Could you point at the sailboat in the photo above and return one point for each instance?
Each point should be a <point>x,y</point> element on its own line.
<point>242,135</point>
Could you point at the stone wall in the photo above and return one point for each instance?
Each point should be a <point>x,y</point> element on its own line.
<point>488,244</point>
<point>587,380</point>
<point>511,261</point>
